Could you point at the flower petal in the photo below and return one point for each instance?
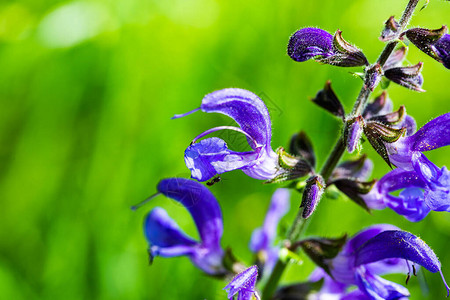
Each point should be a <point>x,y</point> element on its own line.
<point>201,204</point>
<point>399,179</point>
<point>434,134</point>
<point>398,244</point>
<point>310,42</point>
<point>164,235</point>
<point>437,193</point>
<point>378,288</point>
<point>245,108</point>
<point>211,156</point>
<point>364,235</point>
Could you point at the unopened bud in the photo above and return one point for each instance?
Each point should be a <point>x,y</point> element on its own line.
<point>390,30</point>
<point>315,186</point>
<point>352,133</point>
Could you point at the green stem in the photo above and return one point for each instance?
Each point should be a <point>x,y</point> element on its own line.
<point>297,228</point>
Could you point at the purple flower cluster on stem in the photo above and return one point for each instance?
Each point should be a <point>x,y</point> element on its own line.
<point>361,261</point>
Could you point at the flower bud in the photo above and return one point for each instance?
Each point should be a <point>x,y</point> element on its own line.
<point>374,73</point>
<point>390,30</point>
<point>308,43</point>
<point>352,133</point>
<point>316,43</point>
<point>315,186</point>
<point>396,58</point>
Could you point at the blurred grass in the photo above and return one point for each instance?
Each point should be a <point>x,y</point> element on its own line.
<point>88,89</point>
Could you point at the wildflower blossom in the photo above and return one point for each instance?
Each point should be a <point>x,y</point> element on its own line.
<point>165,237</point>
<point>377,250</point>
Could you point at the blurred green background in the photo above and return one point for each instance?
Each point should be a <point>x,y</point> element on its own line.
<point>87,91</point>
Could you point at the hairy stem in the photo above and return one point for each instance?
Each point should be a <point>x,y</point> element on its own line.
<point>299,224</point>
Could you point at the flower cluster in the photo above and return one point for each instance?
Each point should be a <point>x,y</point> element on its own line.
<point>346,269</point>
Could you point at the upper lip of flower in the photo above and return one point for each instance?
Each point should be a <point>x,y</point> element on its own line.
<point>167,239</point>
<point>367,251</point>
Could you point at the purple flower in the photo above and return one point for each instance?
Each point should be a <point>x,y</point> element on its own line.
<point>211,156</point>
<point>426,187</point>
<point>262,241</point>
<point>310,42</point>
<point>316,43</point>
<point>243,284</point>
<point>377,250</point>
<point>165,237</point>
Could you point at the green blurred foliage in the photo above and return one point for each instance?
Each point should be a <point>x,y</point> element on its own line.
<point>88,89</point>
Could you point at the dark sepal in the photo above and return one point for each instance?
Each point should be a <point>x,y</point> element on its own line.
<point>390,31</point>
<point>374,75</point>
<point>409,77</point>
<point>374,107</point>
<point>346,55</point>
<point>315,186</point>
<point>348,169</point>
<point>423,38</point>
<point>293,167</point>
<point>354,188</point>
<point>297,291</point>
<point>379,134</point>
<point>302,146</point>
<point>396,58</point>
<point>391,118</point>
<point>327,99</point>
<point>321,250</point>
